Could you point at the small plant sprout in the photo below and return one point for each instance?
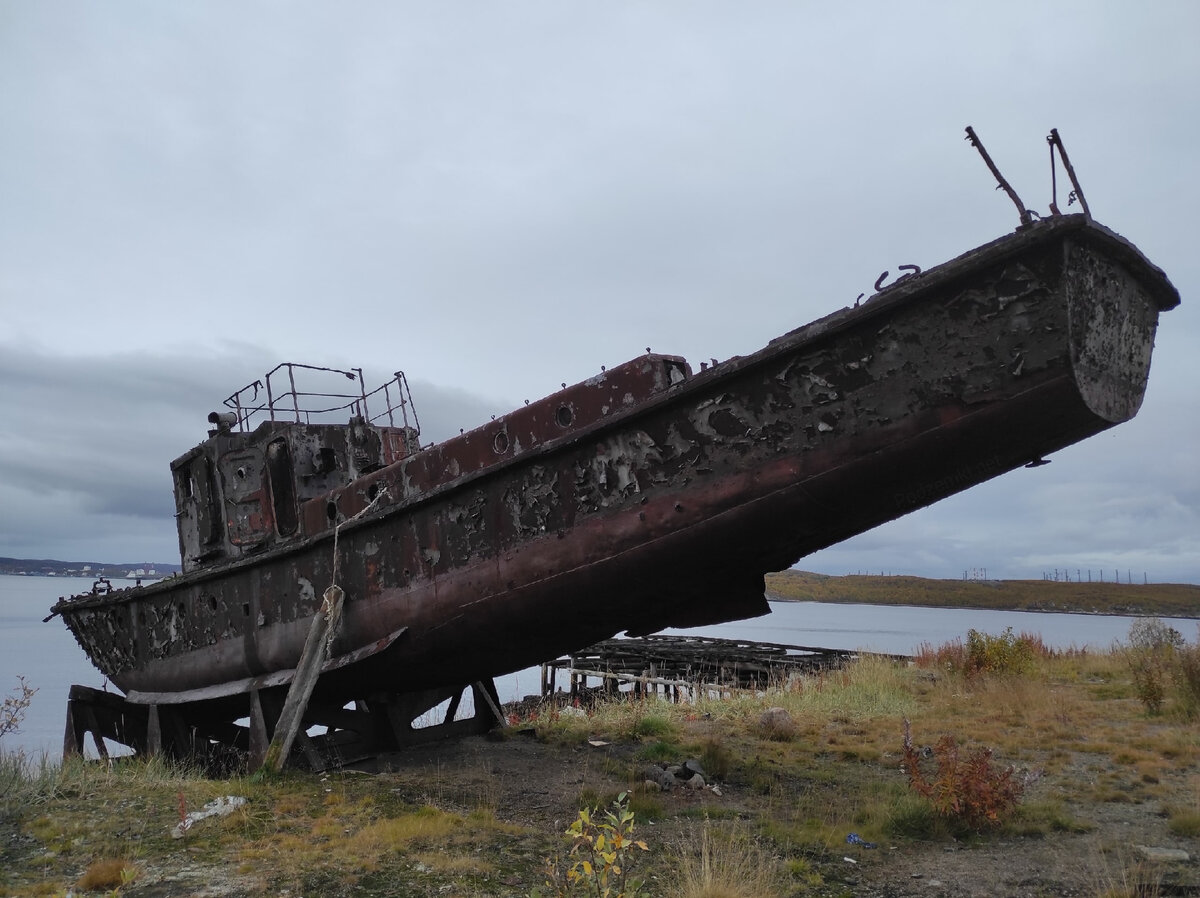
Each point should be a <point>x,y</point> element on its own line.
<point>602,848</point>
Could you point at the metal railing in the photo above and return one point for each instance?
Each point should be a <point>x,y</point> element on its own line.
<point>297,399</point>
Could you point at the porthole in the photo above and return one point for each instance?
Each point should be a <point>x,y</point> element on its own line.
<point>500,443</point>
<point>564,416</point>
<point>331,511</point>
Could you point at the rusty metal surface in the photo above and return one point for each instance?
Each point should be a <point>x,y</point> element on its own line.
<point>661,497</point>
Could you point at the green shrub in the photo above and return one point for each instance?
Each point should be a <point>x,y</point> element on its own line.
<point>1003,654</point>
<point>985,654</point>
<point>1151,658</point>
<point>601,857</point>
<point>1187,677</point>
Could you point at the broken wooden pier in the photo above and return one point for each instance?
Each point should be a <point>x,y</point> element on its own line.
<point>685,667</point>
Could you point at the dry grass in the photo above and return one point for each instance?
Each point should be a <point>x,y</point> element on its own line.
<point>726,864</point>
<point>110,873</point>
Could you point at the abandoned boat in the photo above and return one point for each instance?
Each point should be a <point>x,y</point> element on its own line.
<point>648,496</point>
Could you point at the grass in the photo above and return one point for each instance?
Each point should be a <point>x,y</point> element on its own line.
<point>778,827</point>
<point>728,863</point>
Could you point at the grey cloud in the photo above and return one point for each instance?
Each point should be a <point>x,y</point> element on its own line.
<point>498,200</point>
<point>87,443</point>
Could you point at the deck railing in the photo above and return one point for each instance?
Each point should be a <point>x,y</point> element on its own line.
<point>292,391</point>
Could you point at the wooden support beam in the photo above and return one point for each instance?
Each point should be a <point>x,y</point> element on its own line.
<point>307,672</point>
<point>154,743</point>
<point>72,736</point>
<point>260,731</point>
<point>486,690</point>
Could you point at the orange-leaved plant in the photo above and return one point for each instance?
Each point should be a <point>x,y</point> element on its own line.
<point>966,788</point>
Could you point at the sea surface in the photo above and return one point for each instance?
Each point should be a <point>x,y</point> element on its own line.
<point>50,660</point>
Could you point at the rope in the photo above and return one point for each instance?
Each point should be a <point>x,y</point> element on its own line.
<point>338,529</point>
<point>331,604</point>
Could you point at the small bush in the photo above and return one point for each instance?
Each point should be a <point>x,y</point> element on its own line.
<point>950,655</point>
<point>14,706</point>
<point>1003,654</point>
<point>966,789</point>
<point>1151,658</point>
<point>1187,677</point>
<point>602,852</point>
<point>984,654</point>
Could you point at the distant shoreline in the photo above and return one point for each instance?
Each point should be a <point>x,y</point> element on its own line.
<point>49,567</point>
<point>773,597</point>
<point>1178,600</point>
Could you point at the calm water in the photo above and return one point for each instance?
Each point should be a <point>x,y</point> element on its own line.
<point>48,657</point>
<point>45,654</point>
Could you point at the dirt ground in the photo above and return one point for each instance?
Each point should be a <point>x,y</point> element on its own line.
<point>538,785</point>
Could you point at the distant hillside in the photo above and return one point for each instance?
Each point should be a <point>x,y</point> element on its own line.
<point>1162,599</point>
<point>44,567</point>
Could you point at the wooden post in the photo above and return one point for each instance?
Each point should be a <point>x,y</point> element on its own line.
<point>307,672</point>
<point>486,690</point>
<point>260,735</point>
<point>154,742</point>
<point>72,737</point>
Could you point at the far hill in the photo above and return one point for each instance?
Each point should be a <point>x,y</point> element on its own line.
<point>1161,599</point>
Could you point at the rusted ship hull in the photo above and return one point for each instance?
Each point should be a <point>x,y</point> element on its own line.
<point>486,555</point>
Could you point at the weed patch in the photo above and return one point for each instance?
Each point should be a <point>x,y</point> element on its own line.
<point>651,726</point>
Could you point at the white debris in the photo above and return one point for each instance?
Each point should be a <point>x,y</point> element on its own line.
<point>218,807</point>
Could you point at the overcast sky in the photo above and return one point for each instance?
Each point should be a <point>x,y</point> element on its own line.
<point>501,197</point>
